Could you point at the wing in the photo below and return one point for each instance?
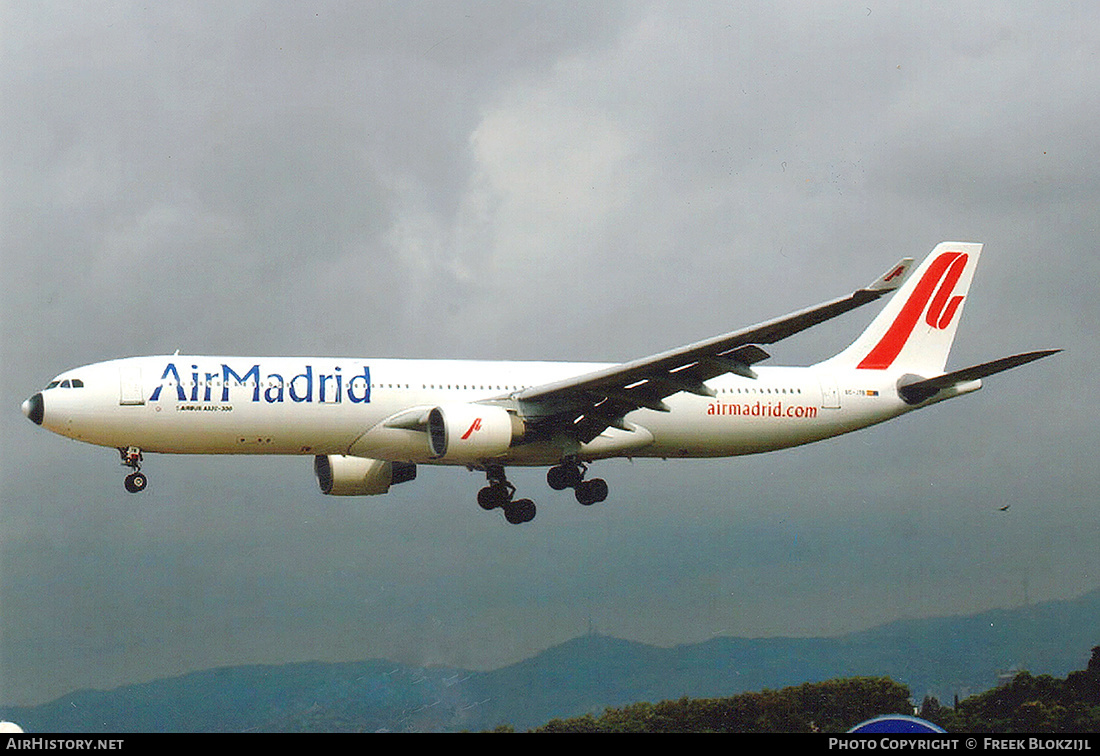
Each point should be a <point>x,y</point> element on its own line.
<point>584,406</point>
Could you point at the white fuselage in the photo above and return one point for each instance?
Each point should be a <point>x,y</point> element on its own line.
<point>182,404</point>
<point>369,422</point>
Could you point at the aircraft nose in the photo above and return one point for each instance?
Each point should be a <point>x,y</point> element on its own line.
<point>33,408</point>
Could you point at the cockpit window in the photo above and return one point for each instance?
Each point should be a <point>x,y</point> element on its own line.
<point>67,383</point>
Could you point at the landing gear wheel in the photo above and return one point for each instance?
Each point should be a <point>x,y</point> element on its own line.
<point>136,482</point>
<point>591,492</point>
<point>519,511</point>
<point>131,457</point>
<point>564,476</point>
<point>500,492</point>
<point>570,474</point>
<point>494,495</point>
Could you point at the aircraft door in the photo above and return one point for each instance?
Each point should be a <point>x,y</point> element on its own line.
<point>830,395</point>
<point>131,391</point>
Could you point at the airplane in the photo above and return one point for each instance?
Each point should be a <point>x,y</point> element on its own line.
<point>368,423</point>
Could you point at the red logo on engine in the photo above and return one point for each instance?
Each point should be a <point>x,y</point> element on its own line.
<point>936,285</point>
<point>474,426</point>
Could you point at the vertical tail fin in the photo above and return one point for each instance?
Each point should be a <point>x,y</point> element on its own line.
<point>917,327</point>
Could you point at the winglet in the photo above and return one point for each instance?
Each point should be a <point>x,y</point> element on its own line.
<point>894,277</point>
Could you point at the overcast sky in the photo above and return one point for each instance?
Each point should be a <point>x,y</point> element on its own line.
<point>514,180</point>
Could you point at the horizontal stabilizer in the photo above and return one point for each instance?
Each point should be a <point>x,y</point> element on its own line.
<point>915,393</point>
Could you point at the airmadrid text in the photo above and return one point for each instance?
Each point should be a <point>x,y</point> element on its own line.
<point>308,384</point>
<point>761,409</point>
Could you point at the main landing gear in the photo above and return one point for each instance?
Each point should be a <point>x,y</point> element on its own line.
<point>569,474</point>
<point>131,457</point>
<point>499,493</point>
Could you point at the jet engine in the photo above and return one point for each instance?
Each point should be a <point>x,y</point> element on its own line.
<point>359,476</point>
<point>471,432</point>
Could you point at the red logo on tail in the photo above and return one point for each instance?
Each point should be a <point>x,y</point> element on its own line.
<point>895,273</point>
<point>936,285</point>
<point>474,426</point>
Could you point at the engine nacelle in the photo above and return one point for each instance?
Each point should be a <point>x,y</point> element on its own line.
<point>359,476</point>
<point>471,432</point>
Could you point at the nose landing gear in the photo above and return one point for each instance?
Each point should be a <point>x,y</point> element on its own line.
<point>136,481</point>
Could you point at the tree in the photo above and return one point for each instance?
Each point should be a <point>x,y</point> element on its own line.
<point>832,706</point>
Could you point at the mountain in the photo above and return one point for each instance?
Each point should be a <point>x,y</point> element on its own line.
<point>942,657</point>
<point>371,695</point>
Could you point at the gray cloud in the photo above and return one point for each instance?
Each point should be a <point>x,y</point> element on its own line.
<point>514,180</point>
